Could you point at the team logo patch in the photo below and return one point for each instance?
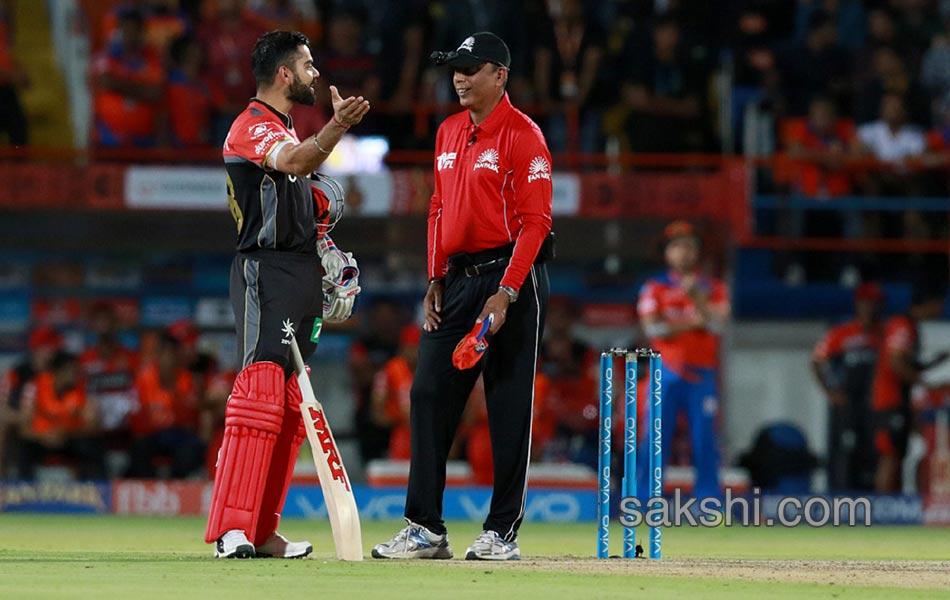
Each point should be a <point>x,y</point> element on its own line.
<point>288,329</point>
<point>258,131</point>
<point>539,169</point>
<point>487,160</point>
<point>446,160</point>
<point>468,44</point>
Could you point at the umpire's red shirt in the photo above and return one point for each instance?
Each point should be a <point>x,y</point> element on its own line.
<point>492,187</point>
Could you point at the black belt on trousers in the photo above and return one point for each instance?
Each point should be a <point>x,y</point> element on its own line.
<point>486,267</point>
<point>473,264</point>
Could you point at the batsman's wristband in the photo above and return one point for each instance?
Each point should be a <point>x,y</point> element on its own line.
<point>316,142</point>
<point>436,280</point>
<point>340,123</point>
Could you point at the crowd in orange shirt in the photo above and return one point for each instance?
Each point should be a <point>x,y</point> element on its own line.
<point>112,411</point>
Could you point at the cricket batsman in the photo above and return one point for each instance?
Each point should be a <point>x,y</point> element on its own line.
<point>276,291</point>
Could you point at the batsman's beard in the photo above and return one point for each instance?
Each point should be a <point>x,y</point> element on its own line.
<point>299,93</point>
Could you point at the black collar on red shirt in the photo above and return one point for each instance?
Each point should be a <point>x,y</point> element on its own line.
<point>284,118</point>
<point>495,118</point>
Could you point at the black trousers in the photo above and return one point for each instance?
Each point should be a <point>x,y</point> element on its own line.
<point>851,452</point>
<point>13,120</point>
<point>273,295</point>
<point>440,391</point>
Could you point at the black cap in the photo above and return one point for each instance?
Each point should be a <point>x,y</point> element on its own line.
<point>476,49</point>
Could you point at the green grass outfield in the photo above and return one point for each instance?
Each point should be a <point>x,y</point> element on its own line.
<point>123,557</point>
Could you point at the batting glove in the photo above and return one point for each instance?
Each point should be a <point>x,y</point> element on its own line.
<point>335,261</point>
<point>339,293</point>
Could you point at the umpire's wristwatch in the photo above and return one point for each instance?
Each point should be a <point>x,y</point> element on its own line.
<point>512,293</point>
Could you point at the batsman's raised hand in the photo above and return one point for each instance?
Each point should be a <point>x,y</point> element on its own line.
<point>349,111</point>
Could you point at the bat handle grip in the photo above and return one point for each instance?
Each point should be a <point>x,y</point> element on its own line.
<point>299,365</point>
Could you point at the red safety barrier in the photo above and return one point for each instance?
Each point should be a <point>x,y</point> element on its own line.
<point>717,189</point>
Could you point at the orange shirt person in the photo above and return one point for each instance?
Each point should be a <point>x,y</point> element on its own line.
<point>59,421</point>
<point>391,387</point>
<point>127,86</point>
<point>165,423</point>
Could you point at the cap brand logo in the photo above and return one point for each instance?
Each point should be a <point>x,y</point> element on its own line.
<point>468,44</point>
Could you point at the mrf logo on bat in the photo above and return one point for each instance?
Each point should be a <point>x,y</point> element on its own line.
<point>319,421</point>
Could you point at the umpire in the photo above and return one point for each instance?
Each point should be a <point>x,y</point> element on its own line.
<point>489,235</point>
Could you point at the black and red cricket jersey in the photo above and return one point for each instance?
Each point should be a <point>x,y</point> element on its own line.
<point>851,352</point>
<point>273,210</point>
<point>492,187</point>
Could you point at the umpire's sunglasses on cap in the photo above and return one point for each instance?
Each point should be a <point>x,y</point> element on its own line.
<point>474,51</point>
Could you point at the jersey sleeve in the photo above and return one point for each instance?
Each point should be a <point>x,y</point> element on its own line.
<point>719,297</point>
<point>648,303</point>
<point>437,262</point>
<point>829,345</point>
<point>258,140</point>
<point>899,337</point>
<point>533,194</point>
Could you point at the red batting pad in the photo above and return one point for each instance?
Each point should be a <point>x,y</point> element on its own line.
<point>292,434</point>
<point>471,348</point>
<point>252,422</point>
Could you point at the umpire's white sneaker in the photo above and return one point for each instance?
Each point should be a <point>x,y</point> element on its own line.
<point>491,546</point>
<point>233,544</point>
<point>277,546</point>
<point>415,541</point>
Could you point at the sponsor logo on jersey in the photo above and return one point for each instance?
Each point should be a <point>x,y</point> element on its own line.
<point>487,160</point>
<point>288,329</point>
<point>265,143</point>
<point>446,160</point>
<point>539,169</point>
<point>258,131</point>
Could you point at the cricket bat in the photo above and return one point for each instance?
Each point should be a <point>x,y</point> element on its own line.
<point>334,482</point>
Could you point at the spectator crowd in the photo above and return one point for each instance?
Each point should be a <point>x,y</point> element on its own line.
<point>109,411</point>
<point>647,74</point>
<point>158,411</point>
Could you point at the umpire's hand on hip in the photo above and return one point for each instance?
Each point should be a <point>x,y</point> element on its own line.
<point>496,304</point>
<point>432,305</point>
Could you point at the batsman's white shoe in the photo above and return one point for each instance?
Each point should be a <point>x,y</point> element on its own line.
<point>491,546</point>
<point>277,546</point>
<point>233,544</point>
<point>415,541</point>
